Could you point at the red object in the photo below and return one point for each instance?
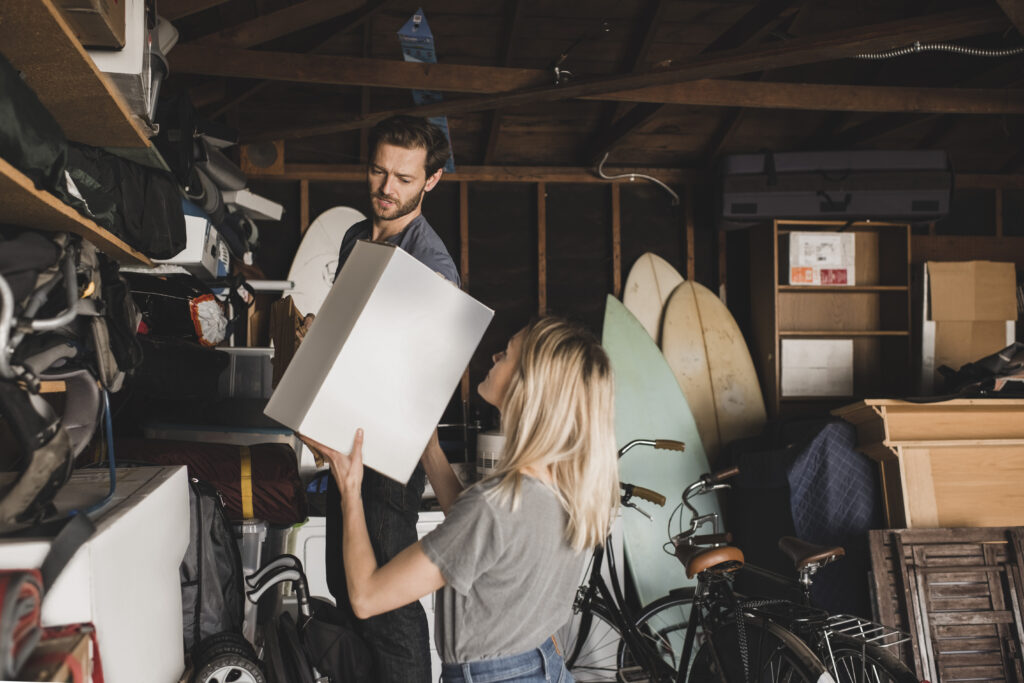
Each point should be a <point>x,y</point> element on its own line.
<point>833,276</point>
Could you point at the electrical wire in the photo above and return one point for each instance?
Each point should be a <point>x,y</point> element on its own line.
<point>918,46</point>
<point>634,176</point>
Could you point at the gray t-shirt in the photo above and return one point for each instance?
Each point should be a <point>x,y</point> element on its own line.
<point>511,576</point>
<point>417,239</point>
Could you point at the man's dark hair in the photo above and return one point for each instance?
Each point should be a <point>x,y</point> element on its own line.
<point>411,132</point>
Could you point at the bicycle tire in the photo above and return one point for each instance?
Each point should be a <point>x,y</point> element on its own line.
<point>664,623</point>
<point>597,661</point>
<point>852,660</point>
<point>774,654</point>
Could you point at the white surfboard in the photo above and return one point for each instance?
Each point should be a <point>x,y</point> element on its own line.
<point>316,260</point>
<point>648,286</point>
<point>709,357</point>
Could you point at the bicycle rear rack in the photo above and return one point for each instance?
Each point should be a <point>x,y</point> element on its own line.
<point>864,631</point>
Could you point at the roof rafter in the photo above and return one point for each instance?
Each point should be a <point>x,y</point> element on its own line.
<point>513,22</point>
<point>281,23</point>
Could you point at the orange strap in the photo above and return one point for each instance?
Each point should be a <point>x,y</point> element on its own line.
<point>246,483</point>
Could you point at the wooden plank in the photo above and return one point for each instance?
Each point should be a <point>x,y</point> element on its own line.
<point>840,44</point>
<point>287,20</point>
<point>28,207</point>
<point>513,23</point>
<point>542,249</point>
<point>39,43</point>
<point>303,206</point>
<point>616,241</point>
<point>173,10</point>
<point>491,174</point>
<point>1015,10</point>
<point>919,489</point>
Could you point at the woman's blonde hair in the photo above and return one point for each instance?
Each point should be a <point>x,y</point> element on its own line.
<point>558,412</point>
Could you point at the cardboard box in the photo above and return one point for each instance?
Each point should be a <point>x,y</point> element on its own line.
<point>822,258</point>
<point>206,253</point>
<point>969,312</point>
<point>96,23</point>
<point>129,67</point>
<point>255,206</point>
<point>386,351</point>
<point>50,659</point>
<point>817,367</point>
<point>125,578</point>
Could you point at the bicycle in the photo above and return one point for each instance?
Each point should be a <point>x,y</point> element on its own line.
<point>602,627</point>
<point>770,639</point>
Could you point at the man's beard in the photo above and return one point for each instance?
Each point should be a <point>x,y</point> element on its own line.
<point>396,211</point>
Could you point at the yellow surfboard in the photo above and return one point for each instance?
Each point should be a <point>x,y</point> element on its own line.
<point>648,286</point>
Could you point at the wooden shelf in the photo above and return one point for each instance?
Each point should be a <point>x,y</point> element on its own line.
<point>22,204</point>
<point>853,288</point>
<point>38,42</point>
<point>844,333</point>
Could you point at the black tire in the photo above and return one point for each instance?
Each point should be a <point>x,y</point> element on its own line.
<point>851,661</point>
<point>773,655</point>
<point>664,623</point>
<point>225,642</point>
<point>597,660</point>
<point>230,668</point>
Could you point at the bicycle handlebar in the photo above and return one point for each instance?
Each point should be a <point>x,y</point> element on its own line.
<point>640,492</point>
<point>661,444</point>
<point>722,475</point>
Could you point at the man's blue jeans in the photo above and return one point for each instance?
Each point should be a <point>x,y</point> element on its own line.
<point>398,639</point>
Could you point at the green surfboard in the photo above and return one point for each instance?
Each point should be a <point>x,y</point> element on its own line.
<point>650,405</point>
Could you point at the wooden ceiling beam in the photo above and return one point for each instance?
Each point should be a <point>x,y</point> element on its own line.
<point>284,21</point>
<point>513,22</point>
<point>173,10</point>
<point>749,25</point>
<point>1014,9</point>
<point>804,50</point>
<point>498,174</point>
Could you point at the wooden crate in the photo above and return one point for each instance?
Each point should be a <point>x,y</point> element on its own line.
<point>959,593</point>
<point>947,464</point>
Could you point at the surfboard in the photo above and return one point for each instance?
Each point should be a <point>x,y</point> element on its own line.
<point>710,360</point>
<point>316,259</point>
<point>648,286</point>
<point>650,405</point>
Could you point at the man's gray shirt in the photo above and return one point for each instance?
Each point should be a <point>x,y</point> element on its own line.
<point>417,239</point>
<point>511,576</point>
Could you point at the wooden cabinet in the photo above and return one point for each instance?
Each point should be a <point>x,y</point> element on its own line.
<point>38,42</point>
<point>873,314</point>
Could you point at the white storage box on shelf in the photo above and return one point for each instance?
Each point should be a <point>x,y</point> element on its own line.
<point>125,579</point>
<point>255,206</point>
<point>206,253</point>
<point>129,67</point>
<point>387,348</point>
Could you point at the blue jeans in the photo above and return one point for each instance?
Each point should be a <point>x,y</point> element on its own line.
<point>543,665</point>
<point>399,639</point>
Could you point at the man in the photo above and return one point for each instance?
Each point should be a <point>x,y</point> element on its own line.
<point>407,155</point>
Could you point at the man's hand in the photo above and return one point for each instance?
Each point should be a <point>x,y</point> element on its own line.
<point>347,470</point>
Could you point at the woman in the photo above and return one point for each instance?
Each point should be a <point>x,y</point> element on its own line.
<point>510,553</point>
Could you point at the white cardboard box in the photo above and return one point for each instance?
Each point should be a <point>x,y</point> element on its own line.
<point>205,254</point>
<point>129,67</point>
<point>125,579</point>
<point>385,353</point>
<point>822,258</point>
<point>255,206</point>
<point>817,367</point>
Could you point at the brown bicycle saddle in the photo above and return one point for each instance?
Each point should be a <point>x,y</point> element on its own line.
<point>803,553</point>
<point>697,559</point>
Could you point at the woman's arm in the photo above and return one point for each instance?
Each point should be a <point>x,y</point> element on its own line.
<point>446,485</point>
<point>373,590</point>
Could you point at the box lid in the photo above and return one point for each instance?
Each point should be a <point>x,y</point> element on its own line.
<point>972,290</point>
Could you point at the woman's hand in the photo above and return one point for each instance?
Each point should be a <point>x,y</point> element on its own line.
<point>347,470</point>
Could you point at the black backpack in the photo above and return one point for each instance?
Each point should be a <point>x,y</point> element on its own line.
<point>212,597</point>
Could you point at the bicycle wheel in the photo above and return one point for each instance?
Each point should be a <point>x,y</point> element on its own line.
<point>663,624</point>
<point>853,661</point>
<point>774,655</point>
<point>597,661</point>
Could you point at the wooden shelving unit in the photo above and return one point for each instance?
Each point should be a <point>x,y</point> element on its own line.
<point>874,313</point>
<point>35,38</point>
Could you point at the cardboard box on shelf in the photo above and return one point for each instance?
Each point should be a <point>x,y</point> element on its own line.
<point>822,258</point>
<point>129,67</point>
<point>817,367</point>
<point>386,351</point>
<point>96,23</point>
<point>969,311</point>
<point>53,658</point>
<point>205,254</point>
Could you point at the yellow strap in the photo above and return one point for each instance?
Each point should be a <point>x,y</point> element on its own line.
<point>246,487</point>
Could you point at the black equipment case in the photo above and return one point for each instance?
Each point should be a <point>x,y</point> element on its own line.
<point>913,185</point>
